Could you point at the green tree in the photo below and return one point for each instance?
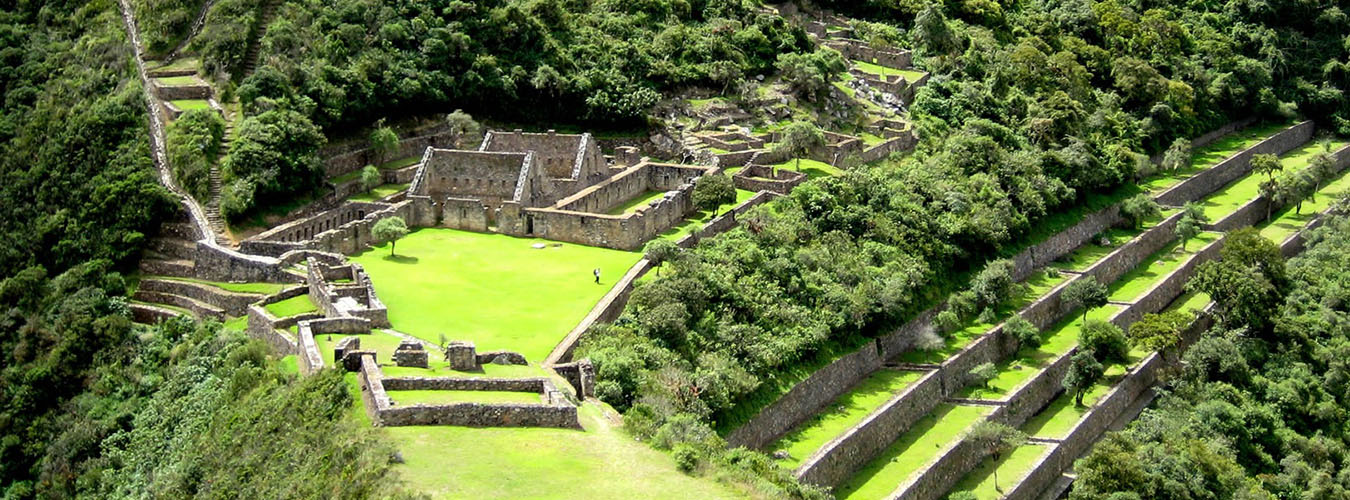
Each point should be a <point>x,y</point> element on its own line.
<point>1267,165</point>
<point>1087,293</point>
<point>389,229</point>
<point>659,251</point>
<point>1084,371</point>
<point>1021,330</point>
<point>982,374</point>
<point>993,284</point>
<point>995,439</point>
<point>879,42</point>
<point>383,142</point>
<point>932,35</point>
<point>713,191</point>
<point>1186,229</point>
<point>799,139</point>
<point>370,177</point>
<point>1177,156</point>
<point>1105,339</point>
<point>1139,208</point>
<point>1159,332</point>
<point>1322,166</point>
<point>461,126</point>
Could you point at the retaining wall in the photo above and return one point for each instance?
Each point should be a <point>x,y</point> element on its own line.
<point>1235,166</point>
<point>233,303</point>
<point>848,452</point>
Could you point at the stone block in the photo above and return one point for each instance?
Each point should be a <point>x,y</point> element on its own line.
<point>343,346</point>
<point>351,360</point>
<point>502,358</point>
<point>410,353</point>
<point>462,356</point>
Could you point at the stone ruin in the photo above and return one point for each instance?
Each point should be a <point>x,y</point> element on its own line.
<point>410,353</point>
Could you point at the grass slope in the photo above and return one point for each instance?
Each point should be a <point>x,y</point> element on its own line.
<point>914,449</point>
<point>298,304</point>
<point>843,413</point>
<point>492,289</point>
<point>1011,467</point>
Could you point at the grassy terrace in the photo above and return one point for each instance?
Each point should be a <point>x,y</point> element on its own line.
<point>1140,279</point>
<point>298,304</point>
<point>448,397</point>
<point>1189,302</point>
<point>843,413</point>
<point>1089,253</point>
<point>379,192</point>
<point>812,168</point>
<point>1011,467</point>
<point>191,104</point>
<point>1037,285</point>
<point>263,288</point>
<point>636,202</point>
<point>1055,341</point>
<point>495,290</point>
<point>698,219</point>
<point>1235,194</point>
<point>178,81</point>
<point>879,70</point>
<point>601,462</point>
<point>1285,222</point>
<point>400,163</point>
<point>178,64</point>
<point>1215,152</point>
<point>914,449</point>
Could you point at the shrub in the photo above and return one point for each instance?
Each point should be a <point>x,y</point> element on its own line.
<point>947,322</point>
<point>686,457</point>
<point>1106,339</point>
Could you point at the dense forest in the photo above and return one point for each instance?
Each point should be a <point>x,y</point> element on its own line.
<point>1033,110</point>
<point>90,404</point>
<point>1259,409</point>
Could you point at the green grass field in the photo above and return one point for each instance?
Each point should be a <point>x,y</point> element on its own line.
<point>447,397</point>
<point>812,168</point>
<point>1189,302</point>
<point>843,413</point>
<point>915,448</point>
<point>379,192</point>
<point>1140,279</point>
<point>299,304</point>
<point>400,163</point>
<point>239,323</point>
<point>601,462</point>
<point>492,289</point>
<point>191,104</point>
<point>877,69</point>
<point>263,288</point>
<point>1011,467</point>
<point>1285,222</point>
<point>636,202</point>
<point>1212,154</point>
<point>178,81</point>
<point>177,64</point>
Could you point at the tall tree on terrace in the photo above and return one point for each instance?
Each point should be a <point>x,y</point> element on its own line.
<point>799,138</point>
<point>383,142</point>
<point>996,438</point>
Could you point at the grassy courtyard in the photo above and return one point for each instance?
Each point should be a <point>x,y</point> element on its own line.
<point>495,290</point>
<point>298,304</point>
<point>1011,467</point>
<point>812,168</point>
<point>379,192</point>
<point>191,104</point>
<point>914,449</point>
<point>843,413</point>
<point>879,70</point>
<point>601,462</point>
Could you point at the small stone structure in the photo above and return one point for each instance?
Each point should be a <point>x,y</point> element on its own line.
<point>462,356</point>
<point>580,374</point>
<point>410,353</point>
<point>762,178</point>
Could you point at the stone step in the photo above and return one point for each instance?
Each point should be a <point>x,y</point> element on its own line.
<point>169,267</point>
<point>173,247</point>
<point>150,314</point>
<point>199,308</point>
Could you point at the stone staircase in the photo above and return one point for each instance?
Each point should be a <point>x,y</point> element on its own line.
<point>212,206</point>
<point>269,10</point>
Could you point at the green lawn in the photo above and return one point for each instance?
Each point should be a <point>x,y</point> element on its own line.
<point>191,104</point>
<point>299,304</point>
<point>180,63</point>
<point>699,218</point>
<point>400,163</point>
<point>1191,302</point>
<point>914,449</point>
<point>1055,341</point>
<point>1212,154</point>
<point>1284,222</point>
<point>379,192</point>
<point>446,397</point>
<point>290,364</point>
<point>1059,417</point>
<point>1085,256</point>
<point>237,323</point>
<point>812,168</point>
<point>263,288</point>
<point>1037,285</point>
<point>492,289</point>
<point>1140,279</point>
<point>601,462</point>
<point>843,413</point>
<point>636,202</point>
<point>877,69</point>
<point>1226,200</point>
<point>178,81</point>
<point>1011,467</point>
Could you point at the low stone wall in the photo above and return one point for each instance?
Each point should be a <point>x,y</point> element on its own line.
<point>177,92</point>
<point>934,480</point>
<point>1029,398</point>
<point>735,158</point>
<point>1064,242</point>
<point>848,452</point>
<point>904,142</point>
<point>761,178</point>
<point>1129,255</point>
<point>806,398</point>
<point>1171,286</point>
<point>233,303</point>
<point>1235,166</point>
<point>219,264</point>
<point>536,385</point>
<point>149,314</point>
<point>482,415</point>
<point>901,340</point>
<point>198,309</point>
<point>263,326</point>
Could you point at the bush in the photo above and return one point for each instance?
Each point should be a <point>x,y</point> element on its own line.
<point>1106,339</point>
<point>947,322</point>
<point>686,457</point>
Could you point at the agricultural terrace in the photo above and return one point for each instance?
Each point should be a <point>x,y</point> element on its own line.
<point>1243,190</point>
<point>495,290</point>
<point>915,448</point>
<point>1205,157</point>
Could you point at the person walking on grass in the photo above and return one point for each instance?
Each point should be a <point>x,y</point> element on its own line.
<point>596,272</point>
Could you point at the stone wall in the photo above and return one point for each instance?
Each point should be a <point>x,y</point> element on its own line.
<point>760,178</point>
<point>535,384</point>
<point>1248,214</point>
<point>1235,166</point>
<point>862,51</point>
<point>806,398</point>
<point>177,92</point>
<point>903,142</point>
<point>848,452</point>
<point>901,340</point>
<point>628,184</point>
<point>220,264</point>
<point>346,162</point>
<point>1064,242</point>
<point>310,227</point>
<point>233,303</point>
<point>482,415</point>
<point>934,480</point>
